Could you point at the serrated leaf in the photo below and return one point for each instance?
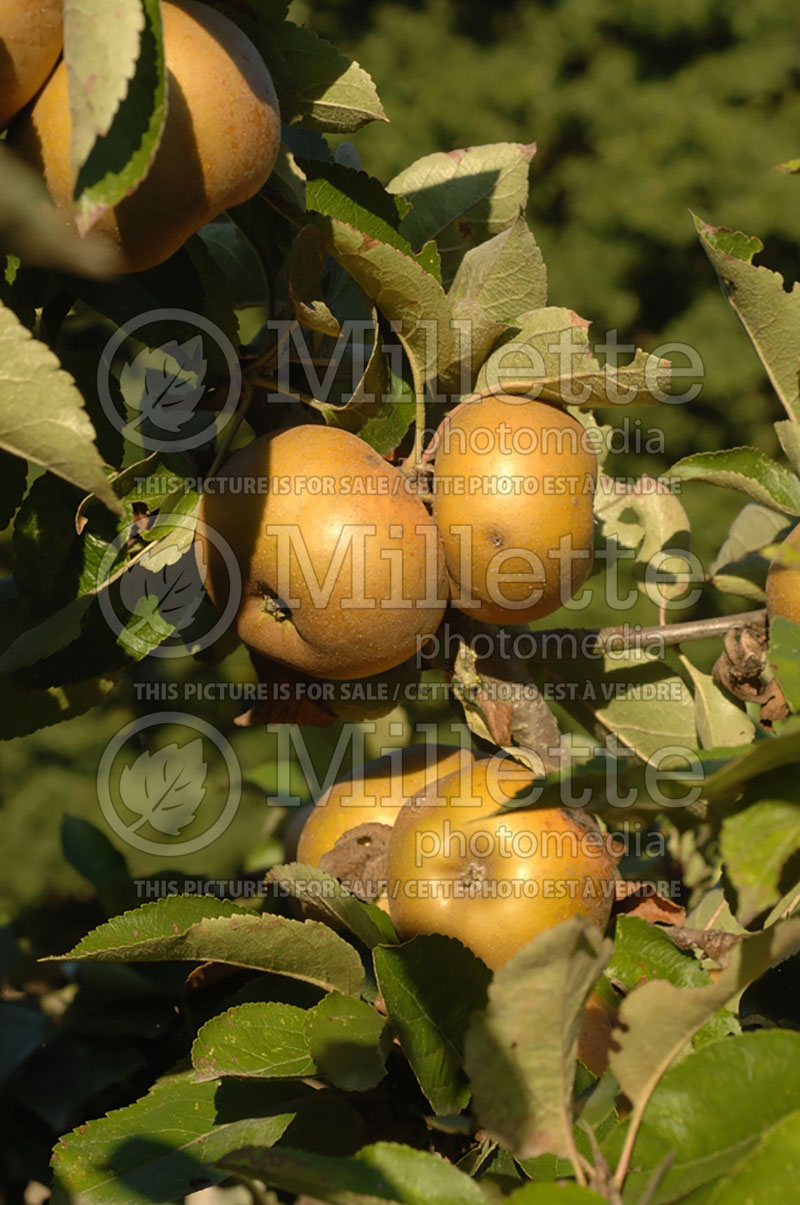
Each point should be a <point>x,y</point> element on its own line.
<point>746,470</point>
<point>196,929</point>
<point>415,981</point>
<point>769,314</point>
<point>521,1052</point>
<point>549,357</point>
<point>114,58</point>
<point>165,1145</point>
<point>784,658</point>
<point>719,721</point>
<point>462,197</point>
<point>710,1111</point>
<point>336,191</point>
<point>659,1019</point>
<point>42,414</point>
<point>265,1041</point>
<point>325,897</point>
<point>408,296</point>
<point>32,228</point>
<point>336,94</point>
<point>386,1171</point>
<point>344,1037</point>
<point>495,283</point>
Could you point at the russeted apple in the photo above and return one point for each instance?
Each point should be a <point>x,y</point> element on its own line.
<point>513,499</point>
<point>30,43</point>
<point>374,794</point>
<point>474,858</point>
<point>783,581</point>
<point>342,567</point>
<point>218,147</point>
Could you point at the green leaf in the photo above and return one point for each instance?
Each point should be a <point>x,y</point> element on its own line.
<point>644,952</point>
<point>164,1146</point>
<point>757,842</point>
<point>408,296</point>
<point>89,851</point>
<point>415,980</point>
<point>543,1194</point>
<point>114,56</point>
<point>719,720</point>
<point>344,1036</point>
<point>305,268</point>
<point>42,414</point>
<point>769,314</point>
<point>658,1019</point>
<point>769,1172</point>
<point>27,710</point>
<point>325,896</point>
<point>351,196</point>
<point>549,357</point>
<point>739,567</point>
<point>495,283</point>
<point>730,778</point>
<point>660,535</point>
<point>32,228</point>
<point>747,471</point>
<point>386,1171</point>
<point>784,658</point>
<point>381,409</point>
<point>336,95</point>
<point>506,275</point>
<point>789,435</point>
<point>463,197</point>
<point>202,930</point>
<point>710,1111</point>
<point>266,1041</point>
<point>521,1052</point>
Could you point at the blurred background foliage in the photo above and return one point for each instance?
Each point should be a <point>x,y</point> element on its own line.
<point>640,113</point>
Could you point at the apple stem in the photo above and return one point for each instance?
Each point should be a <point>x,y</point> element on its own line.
<point>669,634</point>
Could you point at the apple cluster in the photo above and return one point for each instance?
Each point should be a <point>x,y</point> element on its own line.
<point>345,583</point>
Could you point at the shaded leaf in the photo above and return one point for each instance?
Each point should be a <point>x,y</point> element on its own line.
<point>344,1037</point>
<point>335,94</point>
<point>521,1052</point>
<point>415,980</point>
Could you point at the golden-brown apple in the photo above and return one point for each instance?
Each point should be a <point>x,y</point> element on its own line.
<point>374,794</point>
<point>218,147</point>
<point>783,582</point>
<point>30,43</point>
<point>514,486</point>
<point>474,864</point>
<point>342,567</point>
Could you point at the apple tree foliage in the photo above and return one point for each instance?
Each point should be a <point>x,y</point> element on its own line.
<point>189,1041</point>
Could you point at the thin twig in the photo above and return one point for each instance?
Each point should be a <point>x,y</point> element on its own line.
<point>595,640</point>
